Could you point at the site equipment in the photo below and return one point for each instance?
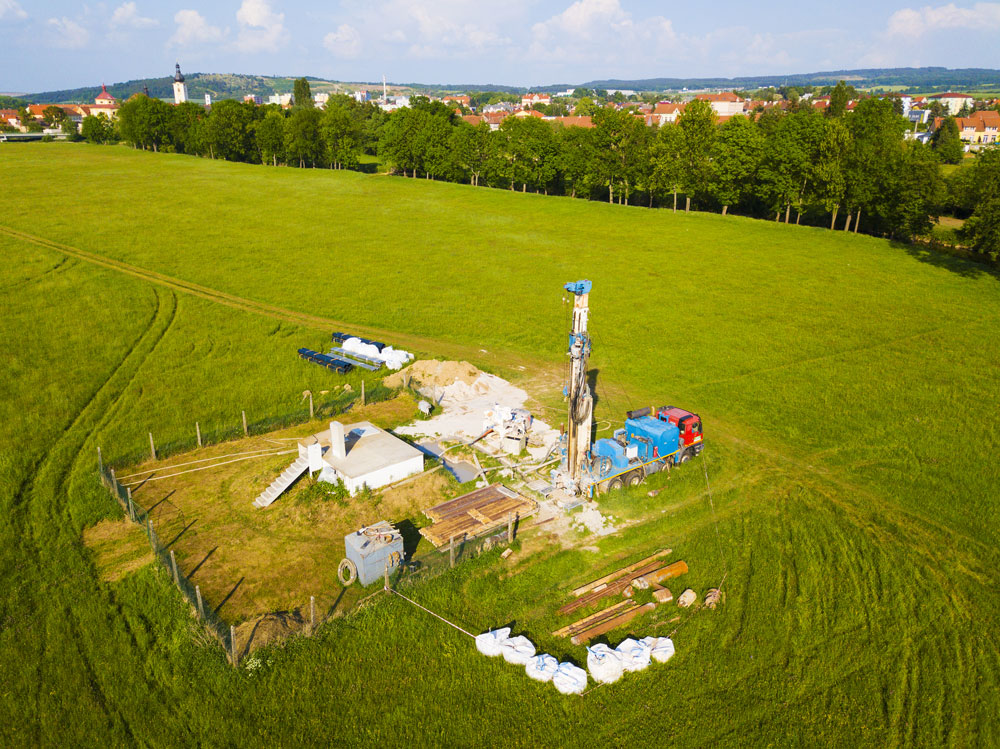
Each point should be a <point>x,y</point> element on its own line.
<point>648,443</point>
<point>330,362</point>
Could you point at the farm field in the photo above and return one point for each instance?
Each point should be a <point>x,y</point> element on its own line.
<point>848,388</point>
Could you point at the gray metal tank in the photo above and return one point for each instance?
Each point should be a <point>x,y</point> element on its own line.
<point>371,548</point>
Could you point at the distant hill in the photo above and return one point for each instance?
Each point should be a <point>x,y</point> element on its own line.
<point>219,85</point>
<point>924,78</point>
<point>236,86</point>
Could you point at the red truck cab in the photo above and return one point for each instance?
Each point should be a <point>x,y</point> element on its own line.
<point>687,423</point>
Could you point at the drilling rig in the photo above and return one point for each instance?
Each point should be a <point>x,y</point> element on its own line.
<point>651,441</point>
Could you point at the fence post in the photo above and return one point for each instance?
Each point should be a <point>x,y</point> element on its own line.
<point>149,531</point>
<point>232,643</point>
<point>451,551</point>
<point>312,612</point>
<point>387,575</point>
<point>100,462</point>
<point>510,527</point>
<point>312,413</point>
<point>197,430</point>
<point>173,564</point>
<point>152,447</point>
<point>131,508</point>
<point>201,604</point>
<point>245,432</point>
<point>362,392</point>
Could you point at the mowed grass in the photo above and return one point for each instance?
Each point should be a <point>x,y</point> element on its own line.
<point>848,389</point>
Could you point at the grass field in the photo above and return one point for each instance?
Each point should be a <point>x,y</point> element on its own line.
<point>848,389</point>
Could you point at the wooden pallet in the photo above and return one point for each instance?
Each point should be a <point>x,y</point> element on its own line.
<point>475,514</point>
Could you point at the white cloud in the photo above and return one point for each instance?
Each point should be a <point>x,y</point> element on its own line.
<point>344,42</point>
<point>261,29</point>
<point>192,28</point>
<point>11,11</point>
<point>910,22</point>
<point>446,29</point>
<point>67,33</point>
<point>604,27</point>
<point>127,14</point>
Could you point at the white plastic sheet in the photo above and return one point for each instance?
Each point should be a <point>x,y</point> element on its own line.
<point>604,664</point>
<point>542,667</point>
<point>661,648</point>
<point>489,643</point>
<point>391,357</point>
<point>635,654</point>
<point>517,650</point>
<point>569,679</point>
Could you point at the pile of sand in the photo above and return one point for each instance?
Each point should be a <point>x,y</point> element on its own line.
<point>431,375</point>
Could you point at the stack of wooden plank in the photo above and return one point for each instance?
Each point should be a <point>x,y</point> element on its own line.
<point>649,571</point>
<point>475,514</point>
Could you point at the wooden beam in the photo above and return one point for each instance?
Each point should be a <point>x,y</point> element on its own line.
<point>619,573</point>
<point>610,624</point>
<point>589,621</point>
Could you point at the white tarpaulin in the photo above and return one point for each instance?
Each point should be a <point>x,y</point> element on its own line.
<point>569,679</point>
<point>392,358</point>
<point>604,664</point>
<point>542,667</point>
<point>661,648</point>
<point>517,650</point>
<point>489,643</point>
<point>635,654</point>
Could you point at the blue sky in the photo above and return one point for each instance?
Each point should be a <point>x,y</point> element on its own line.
<point>64,44</point>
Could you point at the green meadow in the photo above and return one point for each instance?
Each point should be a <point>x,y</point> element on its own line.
<point>848,387</point>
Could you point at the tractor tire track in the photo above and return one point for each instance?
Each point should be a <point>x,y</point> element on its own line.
<point>51,520</point>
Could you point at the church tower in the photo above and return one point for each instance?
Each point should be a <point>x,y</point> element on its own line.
<point>180,88</point>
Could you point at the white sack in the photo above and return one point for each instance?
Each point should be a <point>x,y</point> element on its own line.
<point>604,664</point>
<point>391,357</point>
<point>542,667</point>
<point>569,679</point>
<point>635,655</point>
<point>661,648</point>
<point>517,650</point>
<point>489,643</point>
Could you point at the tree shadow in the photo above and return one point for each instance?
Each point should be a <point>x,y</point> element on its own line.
<point>939,259</point>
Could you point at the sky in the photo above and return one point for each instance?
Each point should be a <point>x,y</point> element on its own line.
<point>59,44</point>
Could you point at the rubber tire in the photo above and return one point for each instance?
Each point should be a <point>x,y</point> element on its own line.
<point>616,483</point>
<point>634,479</point>
<point>347,572</point>
<point>685,456</point>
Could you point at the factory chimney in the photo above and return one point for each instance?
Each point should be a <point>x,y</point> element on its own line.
<point>337,446</point>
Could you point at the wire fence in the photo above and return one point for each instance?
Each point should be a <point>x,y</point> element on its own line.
<point>139,515</point>
<point>246,424</point>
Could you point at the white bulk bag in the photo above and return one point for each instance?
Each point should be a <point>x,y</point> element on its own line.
<point>661,648</point>
<point>569,679</point>
<point>542,667</point>
<point>604,664</point>
<point>517,650</point>
<point>488,643</point>
<point>635,655</point>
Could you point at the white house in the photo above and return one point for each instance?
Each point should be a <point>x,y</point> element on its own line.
<point>360,455</point>
<point>725,104</point>
<point>954,102</point>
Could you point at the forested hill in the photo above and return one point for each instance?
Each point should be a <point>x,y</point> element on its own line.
<point>236,86</point>
<point>219,85</point>
<point>923,78</point>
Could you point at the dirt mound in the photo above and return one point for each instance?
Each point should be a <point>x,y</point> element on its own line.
<point>434,374</point>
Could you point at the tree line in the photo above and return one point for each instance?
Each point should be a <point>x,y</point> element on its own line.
<point>851,171</point>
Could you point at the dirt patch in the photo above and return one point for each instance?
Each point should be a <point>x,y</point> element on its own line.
<point>268,629</point>
<point>431,374</point>
<point>119,546</point>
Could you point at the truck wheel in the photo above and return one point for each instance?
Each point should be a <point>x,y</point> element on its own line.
<point>634,479</point>
<point>685,457</point>
<point>615,483</point>
<point>347,572</point>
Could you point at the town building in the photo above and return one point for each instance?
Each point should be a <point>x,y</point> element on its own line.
<point>529,100</point>
<point>953,102</point>
<point>724,104</point>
